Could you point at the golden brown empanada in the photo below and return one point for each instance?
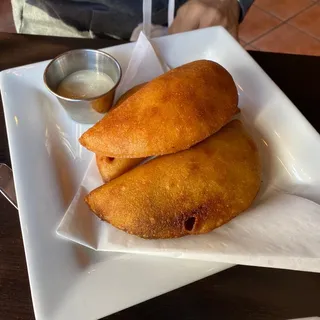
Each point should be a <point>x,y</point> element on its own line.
<point>189,192</point>
<point>169,114</point>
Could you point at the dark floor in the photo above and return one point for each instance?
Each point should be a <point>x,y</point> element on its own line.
<point>290,26</point>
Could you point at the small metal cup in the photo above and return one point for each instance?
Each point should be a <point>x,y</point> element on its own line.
<point>86,111</point>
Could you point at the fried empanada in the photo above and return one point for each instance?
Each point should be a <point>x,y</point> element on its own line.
<point>169,114</point>
<point>189,192</point>
<point>111,168</point>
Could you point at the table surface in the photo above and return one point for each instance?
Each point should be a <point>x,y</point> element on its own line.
<point>237,293</point>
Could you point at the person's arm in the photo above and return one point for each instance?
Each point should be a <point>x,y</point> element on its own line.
<point>197,14</point>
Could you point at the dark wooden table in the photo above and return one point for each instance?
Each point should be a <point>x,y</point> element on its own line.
<point>237,293</point>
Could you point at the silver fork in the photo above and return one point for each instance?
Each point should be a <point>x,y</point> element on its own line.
<point>7,184</point>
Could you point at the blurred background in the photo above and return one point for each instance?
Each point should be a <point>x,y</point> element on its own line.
<point>288,26</point>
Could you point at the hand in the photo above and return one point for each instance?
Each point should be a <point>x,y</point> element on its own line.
<point>197,14</point>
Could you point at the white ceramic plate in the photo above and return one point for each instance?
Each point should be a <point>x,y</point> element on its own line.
<point>69,281</point>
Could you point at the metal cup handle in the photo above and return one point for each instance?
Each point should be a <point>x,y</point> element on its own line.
<point>7,184</point>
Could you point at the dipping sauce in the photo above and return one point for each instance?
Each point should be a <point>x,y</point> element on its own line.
<point>85,84</point>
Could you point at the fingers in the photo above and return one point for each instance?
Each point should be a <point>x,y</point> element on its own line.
<point>182,25</point>
<point>197,14</point>
<point>212,17</point>
<point>186,20</point>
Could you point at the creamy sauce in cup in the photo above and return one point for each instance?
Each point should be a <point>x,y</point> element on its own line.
<point>85,84</point>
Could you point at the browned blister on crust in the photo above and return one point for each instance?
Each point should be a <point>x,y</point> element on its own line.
<point>189,192</point>
<point>169,114</point>
<point>111,168</point>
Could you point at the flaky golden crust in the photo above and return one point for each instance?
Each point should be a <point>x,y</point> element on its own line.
<point>128,94</point>
<point>189,192</point>
<point>111,168</point>
<point>169,114</point>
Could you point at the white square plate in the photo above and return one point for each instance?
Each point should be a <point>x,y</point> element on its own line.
<point>69,281</point>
